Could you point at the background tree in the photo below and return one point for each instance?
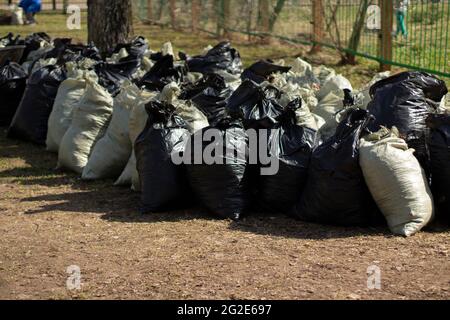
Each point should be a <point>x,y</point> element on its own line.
<point>173,13</point>
<point>276,13</point>
<point>110,22</point>
<point>358,27</point>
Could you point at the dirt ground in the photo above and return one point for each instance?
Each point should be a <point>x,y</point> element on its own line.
<point>50,221</point>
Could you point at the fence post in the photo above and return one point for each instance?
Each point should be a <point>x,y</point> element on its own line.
<point>318,25</point>
<point>387,21</point>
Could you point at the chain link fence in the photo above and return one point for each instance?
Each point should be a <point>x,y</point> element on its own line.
<point>414,36</point>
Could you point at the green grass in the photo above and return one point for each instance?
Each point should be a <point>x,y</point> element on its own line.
<point>427,45</point>
<point>55,25</point>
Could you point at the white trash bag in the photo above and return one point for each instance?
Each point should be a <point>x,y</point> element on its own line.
<point>397,182</point>
<point>112,152</point>
<point>69,95</point>
<point>323,74</point>
<point>89,122</point>
<point>136,124</point>
<point>330,109</point>
<point>335,83</point>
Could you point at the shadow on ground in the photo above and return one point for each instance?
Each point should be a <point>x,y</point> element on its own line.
<point>119,204</point>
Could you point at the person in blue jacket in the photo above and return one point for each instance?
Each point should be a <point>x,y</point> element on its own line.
<point>30,7</point>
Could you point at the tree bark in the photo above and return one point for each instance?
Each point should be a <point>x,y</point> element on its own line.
<point>149,9</point>
<point>357,30</point>
<point>65,5</point>
<point>265,15</point>
<point>195,14</point>
<point>226,18</point>
<point>110,22</point>
<point>265,18</point>
<point>276,12</point>
<point>173,15</point>
<point>318,25</point>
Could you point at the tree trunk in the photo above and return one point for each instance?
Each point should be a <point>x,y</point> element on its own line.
<point>195,14</point>
<point>149,10</point>
<point>226,18</point>
<point>173,15</point>
<point>65,5</point>
<point>265,18</point>
<point>318,25</point>
<point>265,15</point>
<point>110,22</point>
<point>357,30</point>
<point>276,12</point>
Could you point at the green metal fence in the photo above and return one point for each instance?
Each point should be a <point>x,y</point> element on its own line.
<point>352,27</point>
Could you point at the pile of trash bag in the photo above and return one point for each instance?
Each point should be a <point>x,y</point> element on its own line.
<point>278,137</point>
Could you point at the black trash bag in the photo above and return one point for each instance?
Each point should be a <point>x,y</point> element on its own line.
<point>92,52</point>
<point>210,80</point>
<point>60,45</point>
<point>440,163</point>
<point>11,40</point>
<point>261,70</point>
<point>112,75</point>
<point>405,101</point>
<point>162,73</point>
<point>136,48</point>
<point>212,103</point>
<point>220,58</point>
<point>291,146</point>
<point>75,52</point>
<point>336,192</point>
<point>221,186</point>
<point>65,52</point>
<point>156,56</point>
<point>32,43</point>
<point>209,95</point>
<point>257,106</point>
<point>13,80</point>
<point>31,118</point>
<point>164,184</point>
